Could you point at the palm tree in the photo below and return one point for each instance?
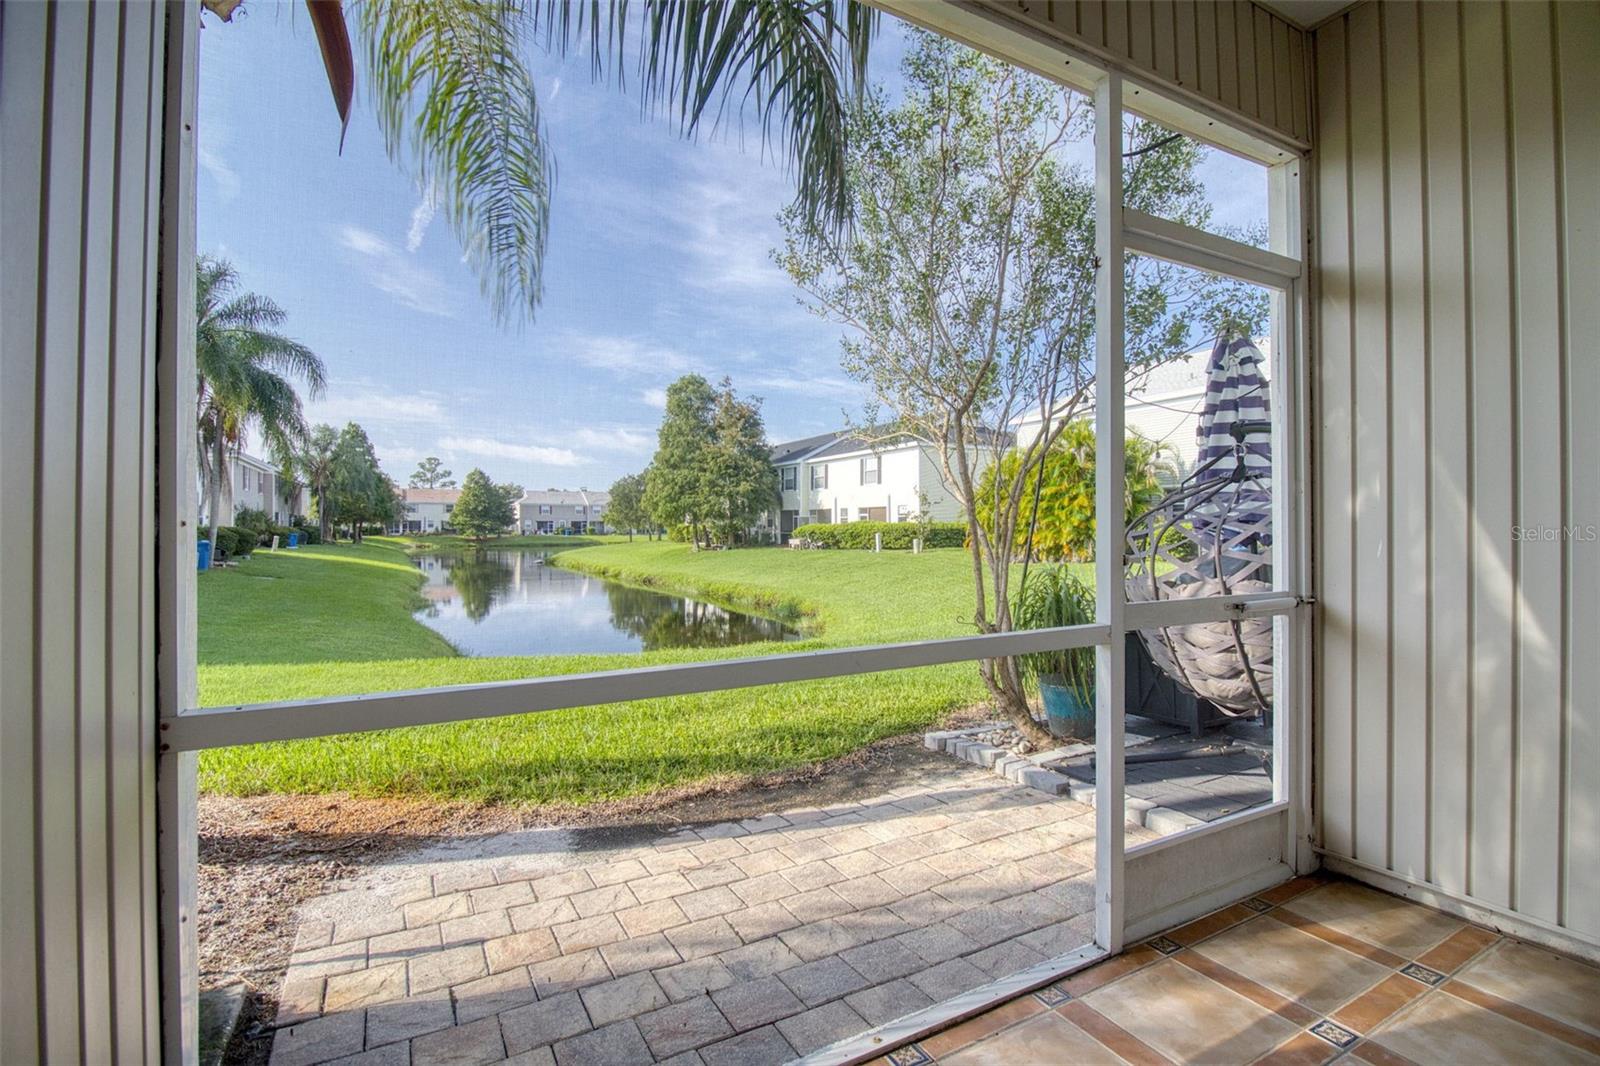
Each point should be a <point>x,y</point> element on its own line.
<point>317,463</point>
<point>241,362</point>
<point>455,102</point>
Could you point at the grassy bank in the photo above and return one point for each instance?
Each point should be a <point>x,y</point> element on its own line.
<point>325,603</point>
<point>583,754</point>
<point>541,541</point>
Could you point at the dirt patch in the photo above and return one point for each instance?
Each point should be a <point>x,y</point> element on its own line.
<point>261,857</point>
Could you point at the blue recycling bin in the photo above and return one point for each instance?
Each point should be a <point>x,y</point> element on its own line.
<point>294,540</point>
<point>205,553</point>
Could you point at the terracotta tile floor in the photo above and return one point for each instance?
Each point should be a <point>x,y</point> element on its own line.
<point>1305,973</point>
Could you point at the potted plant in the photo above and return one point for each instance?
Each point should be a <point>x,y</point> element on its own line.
<point>1050,597</point>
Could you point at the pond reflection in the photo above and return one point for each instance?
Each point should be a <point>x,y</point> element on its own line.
<point>493,602</point>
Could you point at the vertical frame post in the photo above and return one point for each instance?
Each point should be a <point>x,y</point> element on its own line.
<point>176,827</point>
<point>1110,595</point>
<point>1286,213</point>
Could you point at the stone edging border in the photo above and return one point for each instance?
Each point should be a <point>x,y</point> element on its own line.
<point>1030,772</point>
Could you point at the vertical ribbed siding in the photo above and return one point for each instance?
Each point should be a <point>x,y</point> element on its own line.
<point>1458,736</point>
<point>1233,53</point>
<point>80,130</point>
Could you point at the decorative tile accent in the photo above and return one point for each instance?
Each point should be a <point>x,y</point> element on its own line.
<point>1257,904</point>
<point>1052,995</point>
<point>1418,972</point>
<point>1335,1034</point>
<point>1165,945</point>
<point>910,1055</point>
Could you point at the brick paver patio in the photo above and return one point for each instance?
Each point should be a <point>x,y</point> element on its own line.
<point>735,942</point>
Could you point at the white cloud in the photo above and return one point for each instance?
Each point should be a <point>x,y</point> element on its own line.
<point>221,173</point>
<point>368,403</point>
<point>625,353</point>
<point>398,460</point>
<point>627,440</point>
<point>421,216</point>
<point>499,449</point>
<point>730,230</point>
<point>656,398</point>
<point>816,386</point>
<point>388,270</point>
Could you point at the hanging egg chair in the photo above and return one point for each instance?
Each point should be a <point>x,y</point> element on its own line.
<point>1212,536</point>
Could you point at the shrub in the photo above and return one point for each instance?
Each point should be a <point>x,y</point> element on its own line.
<point>244,540</point>
<point>309,534</point>
<point>226,543</point>
<point>1065,526</point>
<point>281,532</point>
<point>1049,597</point>
<point>896,535</point>
<point>250,518</point>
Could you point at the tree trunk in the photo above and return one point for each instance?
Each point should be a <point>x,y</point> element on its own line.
<point>322,514</point>
<point>1011,700</point>
<point>219,466</point>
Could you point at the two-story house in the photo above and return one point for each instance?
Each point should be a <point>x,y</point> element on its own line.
<point>426,510</point>
<point>553,510</point>
<point>842,477</point>
<point>1163,404</point>
<point>255,484</point>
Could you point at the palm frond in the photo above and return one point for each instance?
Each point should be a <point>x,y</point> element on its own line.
<point>797,64</point>
<point>453,97</point>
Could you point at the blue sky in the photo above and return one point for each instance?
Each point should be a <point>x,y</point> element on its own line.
<point>657,266</point>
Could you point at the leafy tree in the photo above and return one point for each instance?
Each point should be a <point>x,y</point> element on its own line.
<point>315,463</point>
<point>482,511</point>
<point>512,492</point>
<point>1061,528</point>
<point>742,480</point>
<point>431,474</point>
<point>712,472</point>
<point>678,490</point>
<point>626,508</point>
<point>967,284</point>
<point>455,101</point>
<point>243,369</point>
<point>361,492</point>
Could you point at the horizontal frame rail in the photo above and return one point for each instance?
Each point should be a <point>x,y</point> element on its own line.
<point>1187,246</point>
<point>221,727</point>
<point>1153,614</point>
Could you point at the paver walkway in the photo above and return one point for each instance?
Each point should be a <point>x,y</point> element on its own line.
<point>735,942</point>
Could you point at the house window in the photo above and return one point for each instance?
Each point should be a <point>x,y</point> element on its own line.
<point>449,507</point>
<point>544,508</point>
<point>244,478</point>
<point>790,478</point>
<point>578,509</point>
<point>819,477</point>
<point>261,481</point>
<point>869,470</point>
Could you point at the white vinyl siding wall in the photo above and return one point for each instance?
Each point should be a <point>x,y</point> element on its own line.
<point>1458,731</point>
<point>80,119</point>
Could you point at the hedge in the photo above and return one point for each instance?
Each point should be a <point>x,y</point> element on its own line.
<point>233,540</point>
<point>896,535</point>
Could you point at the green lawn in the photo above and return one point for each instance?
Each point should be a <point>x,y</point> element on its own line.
<point>337,620</point>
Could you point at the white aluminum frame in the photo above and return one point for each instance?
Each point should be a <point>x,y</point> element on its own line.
<point>186,729</point>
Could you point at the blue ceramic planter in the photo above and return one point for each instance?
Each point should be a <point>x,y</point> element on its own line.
<point>1065,713</point>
